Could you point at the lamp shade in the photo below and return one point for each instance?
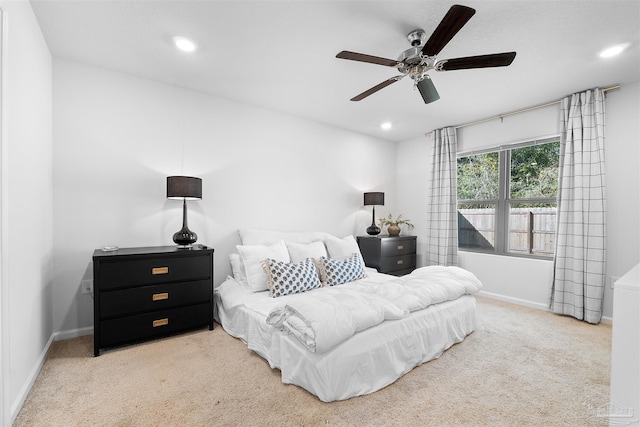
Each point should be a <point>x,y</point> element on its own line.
<point>428,90</point>
<point>375,199</point>
<point>184,187</point>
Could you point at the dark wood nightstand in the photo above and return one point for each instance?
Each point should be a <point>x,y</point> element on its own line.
<point>144,293</point>
<point>391,255</point>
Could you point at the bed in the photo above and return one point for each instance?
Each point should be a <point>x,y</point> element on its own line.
<point>355,332</point>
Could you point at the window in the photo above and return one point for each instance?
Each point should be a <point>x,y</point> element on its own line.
<point>507,199</point>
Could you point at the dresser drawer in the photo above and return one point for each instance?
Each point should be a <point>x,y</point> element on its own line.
<point>142,326</point>
<point>155,297</point>
<point>397,247</point>
<point>113,275</point>
<point>402,262</point>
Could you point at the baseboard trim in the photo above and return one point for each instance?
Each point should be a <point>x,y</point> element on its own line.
<point>512,300</point>
<point>31,379</point>
<point>606,320</point>
<point>33,376</point>
<point>73,333</point>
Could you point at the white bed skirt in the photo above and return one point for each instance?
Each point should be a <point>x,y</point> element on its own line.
<point>366,362</point>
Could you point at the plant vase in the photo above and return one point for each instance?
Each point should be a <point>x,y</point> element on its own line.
<point>393,230</point>
<point>393,224</point>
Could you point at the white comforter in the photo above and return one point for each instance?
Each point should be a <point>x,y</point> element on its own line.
<point>325,317</point>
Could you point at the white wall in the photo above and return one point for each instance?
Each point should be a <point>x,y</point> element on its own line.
<point>117,138</point>
<point>27,225</point>
<point>623,183</point>
<point>528,281</point>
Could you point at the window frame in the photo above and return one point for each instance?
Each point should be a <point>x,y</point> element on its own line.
<point>504,200</point>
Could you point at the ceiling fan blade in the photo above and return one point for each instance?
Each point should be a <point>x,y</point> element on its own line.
<point>480,61</point>
<point>354,56</point>
<point>376,88</point>
<point>452,22</point>
<point>428,90</point>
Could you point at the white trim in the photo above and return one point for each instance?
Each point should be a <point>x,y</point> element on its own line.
<point>4,265</point>
<point>513,300</point>
<point>31,379</point>
<point>530,142</point>
<point>33,376</point>
<point>530,304</point>
<point>72,333</point>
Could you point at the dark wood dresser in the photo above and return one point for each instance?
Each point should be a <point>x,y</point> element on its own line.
<point>391,255</point>
<point>144,293</point>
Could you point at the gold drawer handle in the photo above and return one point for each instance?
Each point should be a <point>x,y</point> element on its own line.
<point>160,297</point>
<point>161,322</point>
<point>159,270</point>
<point>400,247</point>
<point>400,261</point>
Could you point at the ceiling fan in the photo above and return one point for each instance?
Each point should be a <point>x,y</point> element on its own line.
<point>418,60</point>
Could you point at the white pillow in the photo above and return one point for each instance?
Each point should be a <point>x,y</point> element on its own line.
<point>341,249</point>
<point>250,236</point>
<point>298,252</point>
<point>237,269</point>
<point>252,257</point>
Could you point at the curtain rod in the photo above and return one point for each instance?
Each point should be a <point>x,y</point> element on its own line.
<point>523,110</point>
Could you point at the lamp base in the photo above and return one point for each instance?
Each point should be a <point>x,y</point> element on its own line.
<point>373,230</point>
<point>185,237</point>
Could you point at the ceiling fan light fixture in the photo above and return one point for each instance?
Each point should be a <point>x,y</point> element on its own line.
<point>428,90</point>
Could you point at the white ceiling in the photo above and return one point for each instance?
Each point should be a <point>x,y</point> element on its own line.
<point>280,55</point>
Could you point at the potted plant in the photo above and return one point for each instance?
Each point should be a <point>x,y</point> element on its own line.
<point>393,224</point>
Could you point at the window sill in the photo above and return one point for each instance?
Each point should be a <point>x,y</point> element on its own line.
<point>536,257</point>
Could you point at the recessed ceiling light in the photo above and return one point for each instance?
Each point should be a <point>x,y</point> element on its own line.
<point>184,44</point>
<point>386,125</point>
<point>613,50</point>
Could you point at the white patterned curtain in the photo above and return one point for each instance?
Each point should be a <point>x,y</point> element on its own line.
<point>442,215</point>
<point>579,264</point>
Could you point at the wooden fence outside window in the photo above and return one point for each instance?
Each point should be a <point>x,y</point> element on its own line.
<point>532,231</point>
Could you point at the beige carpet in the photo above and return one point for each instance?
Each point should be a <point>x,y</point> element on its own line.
<point>520,367</point>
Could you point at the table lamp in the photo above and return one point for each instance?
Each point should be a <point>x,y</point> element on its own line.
<point>373,199</point>
<point>184,187</point>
